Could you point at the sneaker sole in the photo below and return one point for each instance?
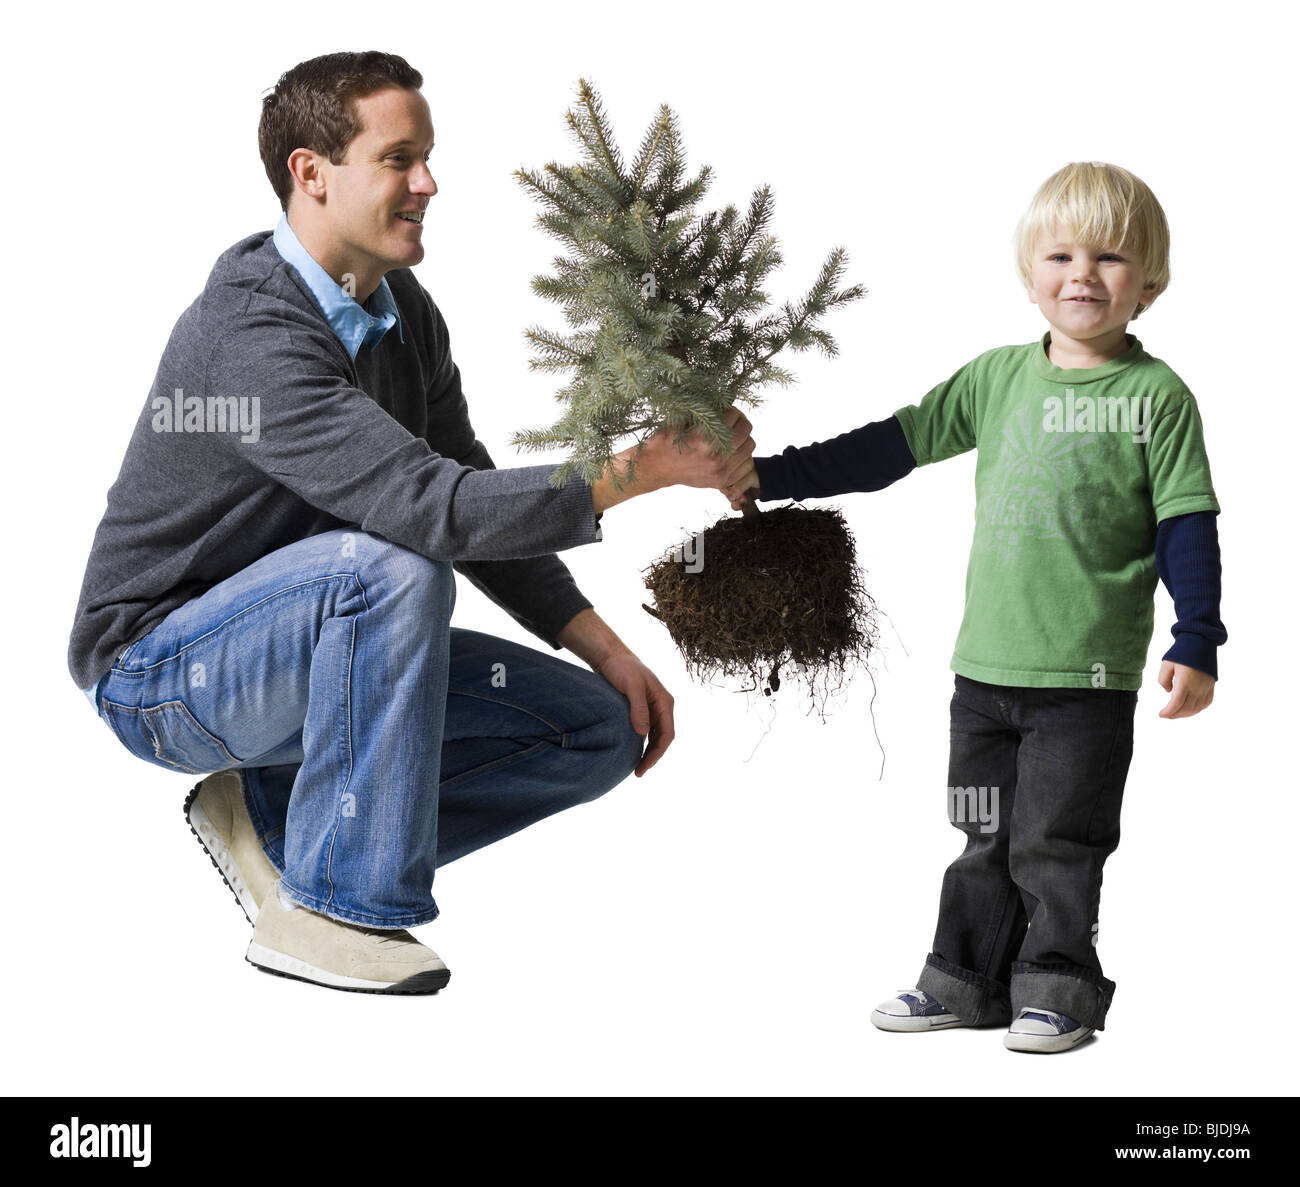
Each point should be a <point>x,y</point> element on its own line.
<point>204,832</point>
<point>909,1022</point>
<point>1046,1044</point>
<point>281,965</point>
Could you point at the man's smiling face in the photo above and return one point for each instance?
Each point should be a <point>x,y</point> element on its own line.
<point>1086,292</point>
<point>373,201</point>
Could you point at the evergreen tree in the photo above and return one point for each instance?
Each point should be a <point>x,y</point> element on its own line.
<point>668,318</point>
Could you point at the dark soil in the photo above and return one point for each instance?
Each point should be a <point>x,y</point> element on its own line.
<point>773,592</point>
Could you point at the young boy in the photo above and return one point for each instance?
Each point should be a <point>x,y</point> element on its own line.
<point>1091,479</point>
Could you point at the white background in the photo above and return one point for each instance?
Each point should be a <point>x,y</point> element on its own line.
<point>725,924</point>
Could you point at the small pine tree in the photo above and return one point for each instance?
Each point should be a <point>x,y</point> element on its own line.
<point>669,325</point>
<point>668,317</point>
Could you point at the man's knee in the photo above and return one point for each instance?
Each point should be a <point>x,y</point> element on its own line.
<point>393,568</point>
<point>631,746</point>
<point>623,743</point>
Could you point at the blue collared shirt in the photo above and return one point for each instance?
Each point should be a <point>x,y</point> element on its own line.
<point>354,325</point>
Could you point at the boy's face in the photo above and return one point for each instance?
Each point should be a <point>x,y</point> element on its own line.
<point>1086,292</point>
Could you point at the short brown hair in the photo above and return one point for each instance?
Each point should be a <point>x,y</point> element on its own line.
<point>312,107</point>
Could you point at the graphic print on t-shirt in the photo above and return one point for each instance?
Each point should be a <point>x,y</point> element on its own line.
<point>1033,497</point>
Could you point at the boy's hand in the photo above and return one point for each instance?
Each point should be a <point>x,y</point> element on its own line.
<point>1192,689</point>
<point>736,492</point>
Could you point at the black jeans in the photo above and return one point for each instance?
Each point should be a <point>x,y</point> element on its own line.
<point>1036,776</point>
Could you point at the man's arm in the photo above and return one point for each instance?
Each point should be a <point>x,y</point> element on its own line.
<point>332,445</point>
<point>650,703</point>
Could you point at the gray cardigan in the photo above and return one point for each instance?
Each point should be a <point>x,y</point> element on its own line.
<point>384,444</point>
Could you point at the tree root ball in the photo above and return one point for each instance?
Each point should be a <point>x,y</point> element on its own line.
<point>754,594</point>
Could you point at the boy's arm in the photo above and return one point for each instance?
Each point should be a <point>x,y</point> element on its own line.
<point>872,457</point>
<point>1187,560</point>
<point>865,459</point>
<point>1187,554</point>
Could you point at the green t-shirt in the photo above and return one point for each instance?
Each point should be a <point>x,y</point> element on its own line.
<point>1075,470</point>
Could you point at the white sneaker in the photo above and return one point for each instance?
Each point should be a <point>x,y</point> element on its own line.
<point>293,941</point>
<point>218,818</point>
<point>913,1009</point>
<point>1045,1032</point>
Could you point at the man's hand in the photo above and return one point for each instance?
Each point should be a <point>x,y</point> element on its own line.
<point>651,703</point>
<point>695,464</point>
<point>660,463</point>
<point>1192,689</point>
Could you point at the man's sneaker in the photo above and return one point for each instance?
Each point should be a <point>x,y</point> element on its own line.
<point>1044,1031</point>
<point>293,941</point>
<point>913,1010</point>
<point>217,816</point>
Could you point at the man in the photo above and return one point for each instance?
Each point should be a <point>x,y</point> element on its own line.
<point>269,591</point>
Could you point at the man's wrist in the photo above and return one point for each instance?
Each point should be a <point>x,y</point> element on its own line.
<point>590,638</point>
<point>607,493</point>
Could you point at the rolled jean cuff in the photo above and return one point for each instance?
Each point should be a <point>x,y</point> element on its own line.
<point>975,999</point>
<point>339,914</point>
<point>1080,993</point>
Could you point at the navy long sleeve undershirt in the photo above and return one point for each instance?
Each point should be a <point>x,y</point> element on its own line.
<point>869,458</point>
<point>1187,560</point>
<point>877,455</point>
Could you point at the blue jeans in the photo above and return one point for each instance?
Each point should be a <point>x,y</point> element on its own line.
<point>1018,909</point>
<point>377,742</point>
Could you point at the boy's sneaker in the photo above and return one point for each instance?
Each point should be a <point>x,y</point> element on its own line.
<point>293,941</point>
<point>218,818</point>
<point>1044,1031</point>
<point>913,1009</point>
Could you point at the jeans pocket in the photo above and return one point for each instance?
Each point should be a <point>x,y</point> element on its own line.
<point>181,743</point>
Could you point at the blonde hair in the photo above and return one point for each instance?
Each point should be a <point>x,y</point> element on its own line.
<point>1102,206</point>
